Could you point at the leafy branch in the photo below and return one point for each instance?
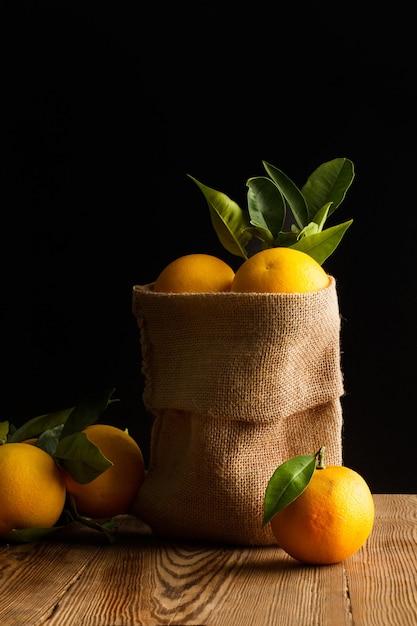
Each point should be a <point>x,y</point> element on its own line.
<point>278,213</point>
<point>60,435</point>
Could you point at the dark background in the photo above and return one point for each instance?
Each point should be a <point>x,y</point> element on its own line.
<point>105,111</point>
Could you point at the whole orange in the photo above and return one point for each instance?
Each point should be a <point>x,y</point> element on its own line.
<point>32,488</point>
<point>330,520</point>
<point>114,490</point>
<point>195,273</point>
<point>280,270</point>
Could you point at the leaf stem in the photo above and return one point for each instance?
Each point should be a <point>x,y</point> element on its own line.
<point>320,458</point>
<point>104,526</point>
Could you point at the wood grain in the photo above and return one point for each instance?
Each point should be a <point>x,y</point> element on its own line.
<point>383,575</point>
<point>77,578</point>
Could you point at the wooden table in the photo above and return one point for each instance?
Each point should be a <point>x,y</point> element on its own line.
<point>77,578</point>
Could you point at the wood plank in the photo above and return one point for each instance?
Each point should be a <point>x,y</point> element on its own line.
<point>382,576</point>
<point>76,577</point>
<point>143,580</point>
<point>35,577</point>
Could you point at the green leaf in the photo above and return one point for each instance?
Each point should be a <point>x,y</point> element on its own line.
<point>74,418</point>
<point>262,234</point>
<point>328,183</point>
<point>81,458</point>
<point>48,440</point>
<point>321,245</point>
<point>287,239</point>
<point>37,425</point>
<point>229,221</point>
<point>88,411</point>
<point>28,535</point>
<point>287,482</point>
<point>321,216</point>
<point>4,431</point>
<point>317,224</point>
<point>291,193</point>
<point>266,205</point>
<point>311,229</point>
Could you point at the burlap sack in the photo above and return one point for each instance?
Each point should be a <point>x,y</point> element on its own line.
<point>237,384</point>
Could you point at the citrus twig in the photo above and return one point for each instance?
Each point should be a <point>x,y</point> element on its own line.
<point>105,526</point>
<point>320,458</point>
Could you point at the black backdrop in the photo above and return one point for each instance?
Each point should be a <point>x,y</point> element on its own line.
<point>106,111</point>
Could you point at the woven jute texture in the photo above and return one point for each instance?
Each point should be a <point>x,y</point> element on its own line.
<point>236,384</point>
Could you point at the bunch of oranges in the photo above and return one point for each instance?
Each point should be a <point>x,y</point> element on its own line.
<point>34,487</point>
<point>273,270</point>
